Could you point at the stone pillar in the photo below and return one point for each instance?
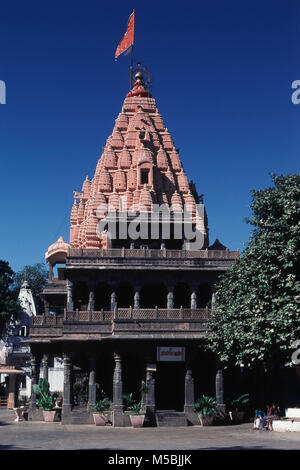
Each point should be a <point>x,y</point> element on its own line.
<point>213,301</point>
<point>50,277</point>
<point>66,406</point>
<point>45,366</point>
<point>170,299</point>
<point>46,307</point>
<point>91,305</point>
<point>193,300</point>
<point>150,392</point>
<point>136,299</point>
<point>11,398</point>
<point>113,300</point>
<point>70,306</point>
<point>189,392</point>
<point>117,392</point>
<point>92,382</point>
<point>34,379</point>
<point>220,389</point>
<point>35,366</point>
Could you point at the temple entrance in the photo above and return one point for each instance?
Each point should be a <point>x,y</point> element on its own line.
<point>80,389</point>
<point>169,386</point>
<point>79,383</point>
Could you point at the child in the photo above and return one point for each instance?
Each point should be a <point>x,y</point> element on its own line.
<point>264,423</point>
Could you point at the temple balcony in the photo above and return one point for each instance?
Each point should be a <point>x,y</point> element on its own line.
<point>125,322</point>
<point>127,258</point>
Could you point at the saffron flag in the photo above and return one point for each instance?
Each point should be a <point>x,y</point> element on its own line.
<point>128,39</point>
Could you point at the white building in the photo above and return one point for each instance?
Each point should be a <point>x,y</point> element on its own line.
<point>13,351</point>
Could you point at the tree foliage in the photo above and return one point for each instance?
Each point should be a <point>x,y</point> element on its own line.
<point>36,275</point>
<point>8,304</point>
<point>257,314</point>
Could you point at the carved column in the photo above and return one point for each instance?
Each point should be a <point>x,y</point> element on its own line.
<point>46,307</point>
<point>91,305</point>
<point>150,391</point>
<point>35,365</point>
<point>70,306</point>
<point>136,299</point>
<point>50,271</point>
<point>113,300</point>
<point>66,407</point>
<point>117,392</point>
<point>213,301</point>
<point>220,389</point>
<point>92,382</point>
<point>45,366</point>
<point>11,398</point>
<point>189,392</point>
<point>193,300</point>
<point>170,299</point>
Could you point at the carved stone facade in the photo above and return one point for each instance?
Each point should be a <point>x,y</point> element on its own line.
<point>130,315</point>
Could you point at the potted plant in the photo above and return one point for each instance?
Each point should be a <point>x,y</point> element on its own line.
<point>46,401</point>
<point>206,408</point>
<point>239,408</point>
<point>128,401</point>
<point>136,417</point>
<point>101,418</point>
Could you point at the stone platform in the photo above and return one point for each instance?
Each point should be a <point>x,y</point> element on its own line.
<point>291,423</point>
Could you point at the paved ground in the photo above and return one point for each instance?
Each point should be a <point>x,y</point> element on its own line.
<point>55,436</point>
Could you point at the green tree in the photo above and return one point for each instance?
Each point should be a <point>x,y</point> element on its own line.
<point>36,276</point>
<point>8,303</point>
<point>257,315</point>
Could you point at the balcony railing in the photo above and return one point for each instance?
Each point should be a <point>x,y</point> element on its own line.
<point>120,314</point>
<point>152,253</point>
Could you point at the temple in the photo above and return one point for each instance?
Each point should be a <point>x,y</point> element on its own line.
<point>127,311</point>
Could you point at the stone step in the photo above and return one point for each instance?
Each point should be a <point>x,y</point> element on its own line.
<point>170,418</point>
<point>77,417</point>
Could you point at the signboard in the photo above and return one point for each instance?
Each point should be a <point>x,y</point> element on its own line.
<point>165,353</point>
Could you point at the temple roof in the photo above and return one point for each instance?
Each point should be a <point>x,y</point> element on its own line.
<point>217,245</point>
<point>139,162</point>
<point>57,252</point>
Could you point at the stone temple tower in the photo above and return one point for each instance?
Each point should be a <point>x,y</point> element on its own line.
<point>130,303</point>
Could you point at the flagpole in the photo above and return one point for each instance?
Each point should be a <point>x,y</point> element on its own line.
<point>131,67</point>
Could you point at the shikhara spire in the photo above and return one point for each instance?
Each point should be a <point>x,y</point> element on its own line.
<point>139,162</point>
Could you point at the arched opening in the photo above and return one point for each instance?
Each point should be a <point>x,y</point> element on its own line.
<point>102,296</point>
<point>182,296</point>
<point>204,294</point>
<point>125,295</point>
<point>153,294</point>
<point>81,296</point>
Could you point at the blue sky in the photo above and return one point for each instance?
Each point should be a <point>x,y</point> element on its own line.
<point>222,74</point>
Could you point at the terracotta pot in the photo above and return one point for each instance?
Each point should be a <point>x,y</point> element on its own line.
<point>49,416</point>
<point>100,419</point>
<point>137,421</point>
<point>207,420</point>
